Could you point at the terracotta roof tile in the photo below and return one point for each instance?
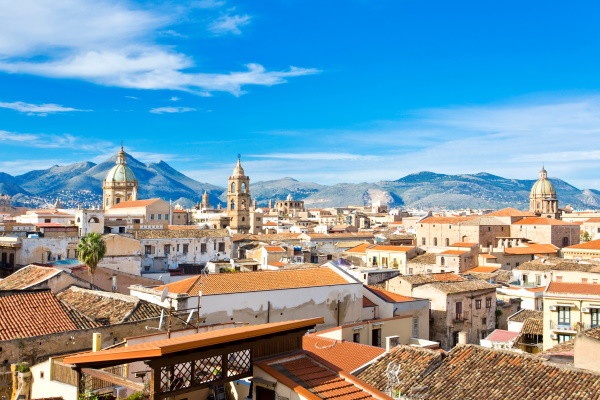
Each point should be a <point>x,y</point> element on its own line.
<point>141,234</point>
<point>26,314</point>
<point>525,314</point>
<point>464,286</point>
<point>411,364</point>
<point>241,282</point>
<point>454,252</point>
<point>274,249</point>
<point>482,269</point>
<point>559,264</point>
<point>541,221</point>
<point>501,335</point>
<point>362,248</point>
<point>402,249</point>
<point>463,244</point>
<point>594,220</point>
<point>134,203</point>
<point>109,308</point>
<point>501,375</point>
<point>346,355</point>
<point>533,326</point>
<point>593,333</point>
<point>421,279</point>
<point>591,245</point>
<point>511,212</point>
<point>28,276</point>
<point>367,302</point>
<point>532,248</point>
<point>103,279</point>
<point>574,288</point>
<point>389,297</point>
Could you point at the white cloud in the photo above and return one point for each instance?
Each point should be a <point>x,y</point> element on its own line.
<point>229,24</point>
<point>37,109</point>
<point>171,110</point>
<point>111,43</point>
<point>317,156</point>
<point>64,141</point>
<point>209,3</point>
<point>174,98</point>
<point>18,167</point>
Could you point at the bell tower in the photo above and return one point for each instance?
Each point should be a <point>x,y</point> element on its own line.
<point>238,200</point>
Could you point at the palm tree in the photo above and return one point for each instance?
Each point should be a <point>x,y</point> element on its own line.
<point>90,250</point>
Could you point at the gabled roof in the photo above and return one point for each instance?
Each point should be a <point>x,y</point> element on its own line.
<point>389,297</point>
<point>25,314</point>
<point>314,380</point>
<point>591,245</point>
<point>454,252</point>
<point>541,221</point>
<point>241,282</point>
<point>511,212</point>
<point>482,270</point>
<point>135,203</point>
<point>346,355</point>
<point>532,248</point>
<point>501,335</point>
<point>460,287</point>
<point>501,374</point>
<point>421,279</point>
<point>103,279</point>
<point>525,314</point>
<point>594,220</point>
<point>533,326</point>
<point>400,249</point>
<point>411,364</point>
<point>573,288</point>
<point>28,276</point>
<point>361,248</point>
<point>115,308</point>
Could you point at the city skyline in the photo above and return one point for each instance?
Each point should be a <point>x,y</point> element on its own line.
<point>336,92</point>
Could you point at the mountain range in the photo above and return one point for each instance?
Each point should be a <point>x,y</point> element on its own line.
<point>80,184</point>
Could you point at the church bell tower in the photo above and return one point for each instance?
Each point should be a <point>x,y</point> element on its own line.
<point>238,200</point>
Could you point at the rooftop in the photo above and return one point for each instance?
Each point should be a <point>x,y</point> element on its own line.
<point>348,356</point>
<point>389,297</point>
<point>421,279</point>
<point>464,286</point>
<point>573,288</point>
<point>501,335</point>
<point>28,276</point>
<point>524,314</point>
<point>241,282</point>
<point>591,245</point>
<point>141,234</point>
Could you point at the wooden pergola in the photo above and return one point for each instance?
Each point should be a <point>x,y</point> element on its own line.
<point>197,361</point>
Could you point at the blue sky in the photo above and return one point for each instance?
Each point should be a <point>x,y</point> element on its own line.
<point>322,91</point>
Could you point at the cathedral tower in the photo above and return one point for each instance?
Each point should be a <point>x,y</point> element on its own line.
<point>238,200</point>
<point>120,183</point>
<point>542,199</point>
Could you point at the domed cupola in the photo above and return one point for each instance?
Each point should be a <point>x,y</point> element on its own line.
<point>542,198</point>
<point>120,183</point>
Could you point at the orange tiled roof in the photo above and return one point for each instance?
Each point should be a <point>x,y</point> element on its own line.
<point>389,297</point>
<point>362,248</point>
<point>454,252</point>
<point>351,235</point>
<point>574,288</point>
<point>594,220</point>
<point>25,314</point>
<point>532,248</point>
<point>487,256</point>
<point>591,245</point>
<point>241,282</point>
<point>541,221</point>
<point>368,303</point>
<point>135,203</point>
<point>27,277</point>
<point>307,377</point>
<point>511,212</point>
<point>482,270</point>
<point>346,355</point>
<point>412,363</point>
<point>274,249</point>
<point>444,220</point>
<point>401,249</point>
<point>463,244</point>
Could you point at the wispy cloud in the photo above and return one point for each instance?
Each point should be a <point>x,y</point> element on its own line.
<point>209,3</point>
<point>37,109</point>
<point>229,24</point>
<point>171,110</point>
<point>316,156</point>
<point>112,43</point>
<point>64,141</point>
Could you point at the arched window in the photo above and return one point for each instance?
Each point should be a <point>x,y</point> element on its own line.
<point>447,242</point>
<point>243,187</point>
<point>442,261</point>
<point>565,241</point>
<point>243,205</point>
<point>435,241</point>
<point>233,186</point>
<point>232,205</point>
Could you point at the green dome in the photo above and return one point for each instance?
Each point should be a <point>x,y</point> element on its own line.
<point>120,172</point>
<point>543,187</point>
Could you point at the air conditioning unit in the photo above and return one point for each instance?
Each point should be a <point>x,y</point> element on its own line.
<point>554,336</point>
<point>552,308</point>
<point>585,309</point>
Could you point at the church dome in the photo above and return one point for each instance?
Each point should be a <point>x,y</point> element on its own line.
<point>543,187</point>
<point>120,172</point>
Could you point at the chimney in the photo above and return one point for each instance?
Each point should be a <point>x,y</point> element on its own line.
<point>96,341</point>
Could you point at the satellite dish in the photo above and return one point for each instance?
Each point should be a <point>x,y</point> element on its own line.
<point>164,294</point>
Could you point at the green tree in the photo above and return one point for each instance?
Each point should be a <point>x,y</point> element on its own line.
<point>585,236</point>
<point>90,251</point>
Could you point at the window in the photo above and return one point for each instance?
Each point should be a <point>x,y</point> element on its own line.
<point>564,316</point>
<point>47,220</point>
<point>564,338</point>
<point>167,249</point>
<point>447,242</point>
<point>376,338</point>
<point>435,241</point>
<point>202,248</point>
<point>185,248</point>
<point>147,249</point>
<point>458,308</point>
<point>178,248</point>
<point>222,247</point>
<point>159,217</point>
<point>595,315</point>
<point>166,217</point>
<point>442,261</point>
<point>478,304</point>
<point>538,280</point>
<point>151,216</point>
<point>484,321</point>
<point>488,302</point>
<point>356,337</point>
<point>565,241</point>
<point>415,327</point>
<point>423,241</point>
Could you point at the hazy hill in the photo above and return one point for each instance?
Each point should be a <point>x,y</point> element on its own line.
<point>81,183</point>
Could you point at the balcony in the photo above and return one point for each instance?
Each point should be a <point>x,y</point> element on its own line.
<point>565,327</point>
<point>460,317</point>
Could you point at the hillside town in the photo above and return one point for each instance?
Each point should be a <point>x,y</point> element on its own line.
<point>143,298</point>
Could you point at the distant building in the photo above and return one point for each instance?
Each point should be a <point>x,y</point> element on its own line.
<point>120,183</point>
<point>542,198</point>
<point>238,200</point>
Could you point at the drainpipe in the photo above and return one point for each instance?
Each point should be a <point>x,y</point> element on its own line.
<point>268,311</point>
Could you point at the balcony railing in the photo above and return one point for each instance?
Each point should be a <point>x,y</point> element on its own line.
<point>566,327</point>
<point>460,317</point>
